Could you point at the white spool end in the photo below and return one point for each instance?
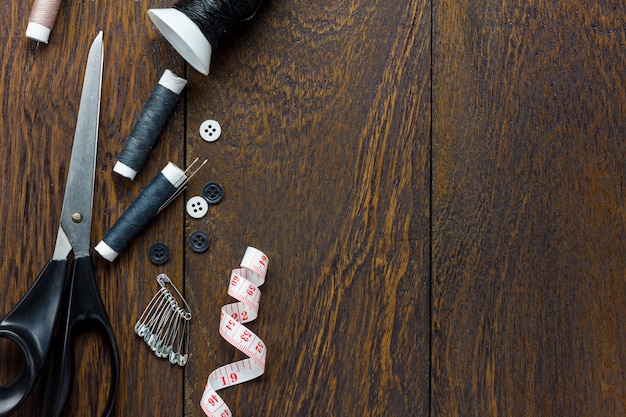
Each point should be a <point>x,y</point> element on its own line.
<point>124,170</point>
<point>185,37</point>
<point>106,251</point>
<point>172,82</point>
<point>38,32</point>
<point>174,175</point>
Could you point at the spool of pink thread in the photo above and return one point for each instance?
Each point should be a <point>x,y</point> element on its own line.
<point>41,20</point>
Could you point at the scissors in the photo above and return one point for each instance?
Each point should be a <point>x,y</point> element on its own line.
<point>53,301</point>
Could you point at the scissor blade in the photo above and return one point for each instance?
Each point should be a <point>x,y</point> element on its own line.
<point>78,201</point>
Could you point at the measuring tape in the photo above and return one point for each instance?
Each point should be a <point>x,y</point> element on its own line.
<point>243,286</point>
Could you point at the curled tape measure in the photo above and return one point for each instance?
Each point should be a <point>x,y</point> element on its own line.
<point>244,286</point>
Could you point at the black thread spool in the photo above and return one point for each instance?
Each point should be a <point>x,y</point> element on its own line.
<point>141,212</point>
<point>196,27</point>
<point>149,125</point>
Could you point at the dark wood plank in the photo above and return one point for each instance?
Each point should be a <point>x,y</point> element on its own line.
<point>528,209</point>
<point>324,159</point>
<point>41,87</point>
<point>325,163</point>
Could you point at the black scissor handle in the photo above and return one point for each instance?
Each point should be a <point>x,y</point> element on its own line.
<point>31,326</point>
<point>85,308</point>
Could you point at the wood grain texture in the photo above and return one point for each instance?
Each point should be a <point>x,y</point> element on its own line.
<point>324,158</point>
<point>494,287</point>
<point>325,154</point>
<point>503,298</point>
<point>41,86</point>
<point>529,228</point>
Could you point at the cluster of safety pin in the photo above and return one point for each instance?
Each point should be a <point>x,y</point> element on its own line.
<point>164,325</point>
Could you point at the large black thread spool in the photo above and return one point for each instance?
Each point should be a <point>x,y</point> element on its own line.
<point>196,27</point>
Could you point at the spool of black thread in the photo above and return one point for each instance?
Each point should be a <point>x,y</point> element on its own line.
<point>149,125</point>
<point>196,27</point>
<point>141,212</point>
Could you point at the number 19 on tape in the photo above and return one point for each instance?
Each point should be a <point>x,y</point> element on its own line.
<point>243,286</point>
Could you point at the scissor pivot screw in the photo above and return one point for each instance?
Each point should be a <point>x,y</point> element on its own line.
<point>77,217</point>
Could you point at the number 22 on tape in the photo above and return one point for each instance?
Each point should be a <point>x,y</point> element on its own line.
<point>243,286</point>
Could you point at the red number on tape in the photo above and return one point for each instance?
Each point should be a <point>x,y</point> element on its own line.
<point>231,318</point>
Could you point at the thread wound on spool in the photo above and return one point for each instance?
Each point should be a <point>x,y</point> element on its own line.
<point>41,19</point>
<point>149,125</point>
<point>196,27</point>
<point>141,212</point>
<point>218,19</point>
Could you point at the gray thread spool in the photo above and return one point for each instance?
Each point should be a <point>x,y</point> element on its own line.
<point>149,125</point>
<point>136,217</point>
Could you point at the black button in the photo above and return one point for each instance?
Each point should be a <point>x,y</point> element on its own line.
<point>213,193</point>
<point>199,241</point>
<point>159,253</point>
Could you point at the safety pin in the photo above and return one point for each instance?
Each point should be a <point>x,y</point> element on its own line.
<point>164,324</point>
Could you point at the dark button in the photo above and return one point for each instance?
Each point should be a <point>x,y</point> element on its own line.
<point>159,253</point>
<point>213,193</point>
<point>199,241</point>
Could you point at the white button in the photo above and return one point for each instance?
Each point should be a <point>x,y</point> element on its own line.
<point>197,207</point>
<point>210,130</point>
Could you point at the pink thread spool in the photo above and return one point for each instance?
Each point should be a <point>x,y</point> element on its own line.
<point>41,20</point>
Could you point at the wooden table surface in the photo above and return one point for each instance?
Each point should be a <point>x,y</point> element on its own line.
<point>439,187</point>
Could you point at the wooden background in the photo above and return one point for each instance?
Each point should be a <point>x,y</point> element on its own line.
<point>439,187</point>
